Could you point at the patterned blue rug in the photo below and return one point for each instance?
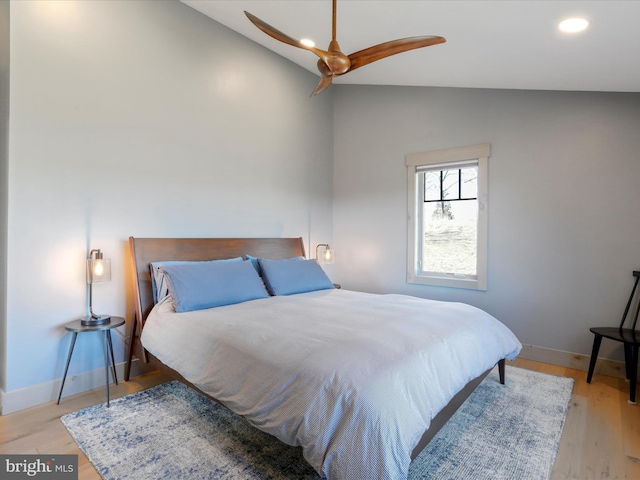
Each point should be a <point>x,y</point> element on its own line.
<point>505,432</point>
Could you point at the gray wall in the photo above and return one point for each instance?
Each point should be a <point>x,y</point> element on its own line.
<point>149,119</point>
<point>4,172</point>
<point>145,119</point>
<point>564,221</point>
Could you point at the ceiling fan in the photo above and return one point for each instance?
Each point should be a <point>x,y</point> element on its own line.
<point>333,62</point>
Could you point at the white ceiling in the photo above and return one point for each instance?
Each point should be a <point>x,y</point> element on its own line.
<point>490,44</point>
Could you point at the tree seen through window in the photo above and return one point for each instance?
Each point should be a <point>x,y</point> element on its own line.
<point>450,219</point>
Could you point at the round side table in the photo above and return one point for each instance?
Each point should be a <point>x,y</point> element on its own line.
<point>76,327</point>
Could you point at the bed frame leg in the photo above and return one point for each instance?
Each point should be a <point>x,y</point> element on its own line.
<point>127,369</point>
<point>501,364</point>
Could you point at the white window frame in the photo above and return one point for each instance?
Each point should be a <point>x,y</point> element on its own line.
<point>451,156</point>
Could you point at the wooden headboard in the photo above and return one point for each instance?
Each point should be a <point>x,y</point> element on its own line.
<point>147,250</point>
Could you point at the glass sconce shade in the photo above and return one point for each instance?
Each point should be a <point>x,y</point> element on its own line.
<point>327,256</point>
<point>98,270</point>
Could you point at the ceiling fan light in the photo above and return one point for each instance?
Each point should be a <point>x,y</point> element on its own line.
<point>308,43</point>
<point>573,25</point>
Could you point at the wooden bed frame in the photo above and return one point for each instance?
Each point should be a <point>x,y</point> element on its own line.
<point>147,250</point>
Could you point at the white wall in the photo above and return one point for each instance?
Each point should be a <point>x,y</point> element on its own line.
<point>564,222</point>
<point>146,119</point>
<point>4,163</point>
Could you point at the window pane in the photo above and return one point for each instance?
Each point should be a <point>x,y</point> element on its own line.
<point>432,185</point>
<point>469,182</point>
<point>450,183</point>
<point>450,237</point>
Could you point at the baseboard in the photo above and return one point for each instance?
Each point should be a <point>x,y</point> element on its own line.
<point>604,366</point>
<point>35,395</point>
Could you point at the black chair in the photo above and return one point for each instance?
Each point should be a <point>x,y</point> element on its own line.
<point>630,337</point>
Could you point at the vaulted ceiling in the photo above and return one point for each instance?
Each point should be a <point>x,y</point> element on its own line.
<point>490,44</point>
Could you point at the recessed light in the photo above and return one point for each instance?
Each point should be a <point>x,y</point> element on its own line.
<point>308,43</point>
<point>573,25</point>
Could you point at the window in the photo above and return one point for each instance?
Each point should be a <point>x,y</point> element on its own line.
<point>447,217</point>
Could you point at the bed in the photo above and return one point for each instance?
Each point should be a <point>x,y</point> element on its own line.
<point>361,382</point>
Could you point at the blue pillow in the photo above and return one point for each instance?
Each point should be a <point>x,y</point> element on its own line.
<point>256,265</point>
<point>200,285</point>
<point>284,277</point>
<point>158,278</point>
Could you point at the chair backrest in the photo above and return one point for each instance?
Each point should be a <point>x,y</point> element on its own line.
<point>626,310</point>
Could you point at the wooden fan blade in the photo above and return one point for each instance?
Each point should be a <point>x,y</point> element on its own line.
<point>323,84</point>
<point>324,69</point>
<point>383,50</point>
<point>284,38</point>
<point>274,32</point>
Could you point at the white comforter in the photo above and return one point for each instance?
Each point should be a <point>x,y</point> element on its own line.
<point>353,378</point>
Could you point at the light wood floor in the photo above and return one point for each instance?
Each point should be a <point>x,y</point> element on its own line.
<point>601,437</point>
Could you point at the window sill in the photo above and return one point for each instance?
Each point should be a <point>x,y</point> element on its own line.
<point>448,281</point>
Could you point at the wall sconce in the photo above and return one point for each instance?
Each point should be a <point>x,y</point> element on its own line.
<point>98,271</point>
<point>327,255</point>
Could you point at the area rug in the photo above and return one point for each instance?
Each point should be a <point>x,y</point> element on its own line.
<point>171,432</point>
